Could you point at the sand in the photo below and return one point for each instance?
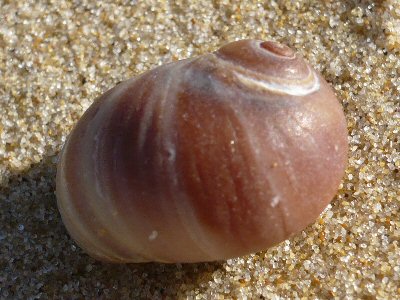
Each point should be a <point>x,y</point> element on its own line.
<point>56,57</point>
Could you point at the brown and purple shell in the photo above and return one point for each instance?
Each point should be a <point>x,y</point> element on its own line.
<point>204,159</point>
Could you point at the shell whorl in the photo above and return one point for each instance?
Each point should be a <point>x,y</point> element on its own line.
<point>269,66</point>
<point>203,159</point>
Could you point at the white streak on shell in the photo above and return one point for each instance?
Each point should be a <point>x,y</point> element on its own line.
<point>153,235</point>
<point>260,81</point>
<point>275,200</point>
<point>280,87</point>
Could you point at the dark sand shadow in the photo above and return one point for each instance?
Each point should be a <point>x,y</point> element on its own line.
<point>38,258</point>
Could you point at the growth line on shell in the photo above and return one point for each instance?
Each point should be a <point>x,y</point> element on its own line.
<point>186,213</point>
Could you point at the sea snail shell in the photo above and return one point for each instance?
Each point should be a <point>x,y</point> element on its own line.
<point>203,159</point>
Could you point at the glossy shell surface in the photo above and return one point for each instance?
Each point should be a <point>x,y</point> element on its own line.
<point>204,159</point>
